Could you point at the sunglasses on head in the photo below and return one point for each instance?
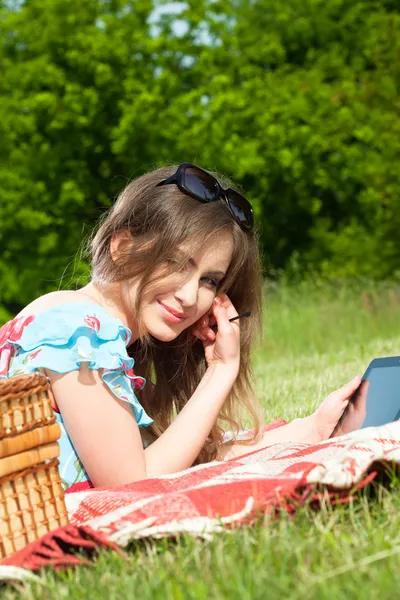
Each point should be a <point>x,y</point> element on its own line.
<point>204,187</point>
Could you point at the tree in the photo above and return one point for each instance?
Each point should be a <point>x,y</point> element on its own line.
<point>63,66</point>
<point>296,101</point>
<point>299,103</point>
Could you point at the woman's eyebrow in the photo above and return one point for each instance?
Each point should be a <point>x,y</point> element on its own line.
<point>194,264</point>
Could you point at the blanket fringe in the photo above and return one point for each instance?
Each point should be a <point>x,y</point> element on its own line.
<point>55,549</point>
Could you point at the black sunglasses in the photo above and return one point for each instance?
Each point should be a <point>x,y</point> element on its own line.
<point>204,187</point>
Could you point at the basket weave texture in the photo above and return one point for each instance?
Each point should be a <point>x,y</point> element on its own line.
<point>31,492</point>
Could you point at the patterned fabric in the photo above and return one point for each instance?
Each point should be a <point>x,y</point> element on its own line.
<point>61,339</point>
<point>206,499</point>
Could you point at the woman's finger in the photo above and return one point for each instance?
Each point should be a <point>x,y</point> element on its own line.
<point>210,335</point>
<point>220,313</point>
<point>198,334</point>
<point>202,325</point>
<point>204,321</point>
<point>227,304</point>
<point>347,390</point>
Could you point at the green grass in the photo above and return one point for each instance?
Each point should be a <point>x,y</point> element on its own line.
<point>316,339</point>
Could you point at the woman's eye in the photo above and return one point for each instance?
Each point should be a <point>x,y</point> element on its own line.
<point>211,281</point>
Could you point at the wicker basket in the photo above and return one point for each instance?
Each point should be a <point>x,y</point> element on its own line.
<point>31,493</point>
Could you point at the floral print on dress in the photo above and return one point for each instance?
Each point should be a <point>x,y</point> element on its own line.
<point>10,333</point>
<point>61,339</point>
<point>138,382</point>
<point>92,322</point>
<point>34,354</point>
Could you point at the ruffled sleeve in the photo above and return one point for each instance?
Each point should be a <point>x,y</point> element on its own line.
<point>65,336</point>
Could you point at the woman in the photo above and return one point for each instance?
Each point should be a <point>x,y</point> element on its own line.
<point>173,260</point>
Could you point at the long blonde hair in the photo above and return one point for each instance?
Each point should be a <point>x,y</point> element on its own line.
<point>160,220</point>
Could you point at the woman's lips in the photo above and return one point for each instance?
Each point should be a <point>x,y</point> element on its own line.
<point>169,315</point>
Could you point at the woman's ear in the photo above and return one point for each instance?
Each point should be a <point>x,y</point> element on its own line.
<point>120,242</point>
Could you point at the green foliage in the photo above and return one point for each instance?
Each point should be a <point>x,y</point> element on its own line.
<point>63,68</point>
<point>296,101</point>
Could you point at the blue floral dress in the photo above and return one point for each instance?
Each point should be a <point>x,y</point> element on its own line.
<point>61,338</point>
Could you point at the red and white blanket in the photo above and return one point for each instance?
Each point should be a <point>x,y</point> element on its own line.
<point>203,500</point>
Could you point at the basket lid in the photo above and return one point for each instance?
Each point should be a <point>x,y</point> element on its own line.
<point>25,403</point>
<point>20,383</point>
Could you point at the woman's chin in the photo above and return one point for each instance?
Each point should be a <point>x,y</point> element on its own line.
<point>164,334</point>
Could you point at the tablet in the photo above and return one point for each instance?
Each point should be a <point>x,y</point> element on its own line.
<point>376,401</point>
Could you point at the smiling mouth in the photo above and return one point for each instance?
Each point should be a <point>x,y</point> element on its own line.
<point>172,313</point>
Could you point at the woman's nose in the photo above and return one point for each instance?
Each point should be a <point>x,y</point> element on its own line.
<point>187,292</point>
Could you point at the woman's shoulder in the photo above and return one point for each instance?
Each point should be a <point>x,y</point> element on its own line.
<point>60,316</point>
<point>60,331</point>
<point>53,299</point>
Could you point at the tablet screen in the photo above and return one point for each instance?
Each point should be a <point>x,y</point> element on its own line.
<point>377,400</point>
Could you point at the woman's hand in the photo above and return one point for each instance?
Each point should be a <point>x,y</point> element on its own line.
<point>325,418</point>
<point>221,346</point>
<point>356,412</point>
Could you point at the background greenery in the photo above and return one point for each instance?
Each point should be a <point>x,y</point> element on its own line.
<point>297,101</point>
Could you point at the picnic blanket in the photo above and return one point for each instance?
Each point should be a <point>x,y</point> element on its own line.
<point>204,500</point>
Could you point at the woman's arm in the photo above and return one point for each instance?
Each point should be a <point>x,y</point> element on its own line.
<point>106,437</point>
<point>178,447</point>
<point>104,431</point>
<point>309,430</point>
<point>299,430</point>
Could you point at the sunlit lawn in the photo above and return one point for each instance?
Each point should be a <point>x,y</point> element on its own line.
<point>316,339</point>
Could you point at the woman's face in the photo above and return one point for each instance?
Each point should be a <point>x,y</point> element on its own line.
<point>176,302</point>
